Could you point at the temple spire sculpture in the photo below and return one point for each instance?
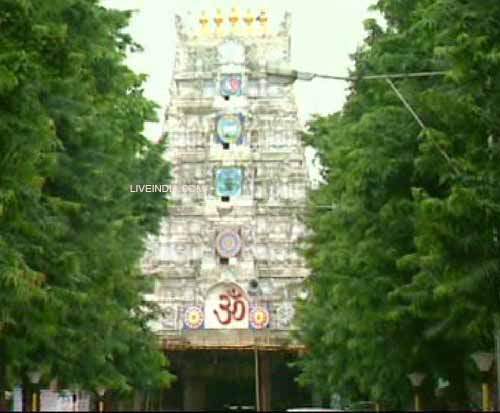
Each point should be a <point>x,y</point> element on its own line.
<point>234,19</point>
<point>249,20</point>
<point>219,21</point>
<point>263,20</point>
<point>204,22</point>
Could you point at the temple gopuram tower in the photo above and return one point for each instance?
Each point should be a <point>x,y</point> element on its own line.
<point>226,267</point>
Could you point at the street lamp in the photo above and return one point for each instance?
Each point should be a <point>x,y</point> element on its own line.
<point>285,71</point>
<point>34,377</point>
<point>100,392</point>
<point>416,379</point>
<point>484,361</point>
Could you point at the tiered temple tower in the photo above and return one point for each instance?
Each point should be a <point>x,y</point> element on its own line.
<point>226,262</point>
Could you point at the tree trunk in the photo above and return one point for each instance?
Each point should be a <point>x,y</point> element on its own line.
<point>457,395</point>
<point>496,366</point>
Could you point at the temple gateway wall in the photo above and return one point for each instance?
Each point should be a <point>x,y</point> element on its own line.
<point>226,263</point>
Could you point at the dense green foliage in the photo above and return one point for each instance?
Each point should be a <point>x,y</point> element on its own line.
<point>405,267</point>
<point>71,233</point>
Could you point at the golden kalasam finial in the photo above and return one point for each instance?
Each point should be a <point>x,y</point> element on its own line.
<point>263,19</point>
<point>219,19</point>
<point>249,19</point>
<point>205,28</point>
<point>234,19</point>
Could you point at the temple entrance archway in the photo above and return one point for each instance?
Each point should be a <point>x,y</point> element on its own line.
<point>225,380</point>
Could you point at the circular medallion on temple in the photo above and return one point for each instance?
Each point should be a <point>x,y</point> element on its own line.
<point>259,317</point>
<point>193,317</point>
<point>229,128</point>
<point>228,243</point>
<point>230,85</point>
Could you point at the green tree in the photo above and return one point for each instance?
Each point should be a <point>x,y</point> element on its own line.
<point>71,233</point>
<point>405,266</point>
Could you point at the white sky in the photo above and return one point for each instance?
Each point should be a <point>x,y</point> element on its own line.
<point>324,34</point>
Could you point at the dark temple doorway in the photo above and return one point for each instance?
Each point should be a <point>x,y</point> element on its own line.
<point>232,384</point>
<point>225,380</point>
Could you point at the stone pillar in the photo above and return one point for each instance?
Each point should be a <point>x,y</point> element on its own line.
<point>28,390</point>
<point>194,394</point>
<point>265,381</point>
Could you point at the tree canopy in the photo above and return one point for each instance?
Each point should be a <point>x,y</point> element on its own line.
<point>405,266</point>
<point>71,232</point>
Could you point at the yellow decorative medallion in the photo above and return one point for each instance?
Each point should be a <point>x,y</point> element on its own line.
<point>259,317</point>
<point>193,317</point>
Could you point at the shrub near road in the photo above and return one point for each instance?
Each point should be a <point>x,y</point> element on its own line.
<point>406,267</point>
<point>71,233</point>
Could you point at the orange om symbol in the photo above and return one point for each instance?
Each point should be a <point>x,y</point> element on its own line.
<point>232,305</point>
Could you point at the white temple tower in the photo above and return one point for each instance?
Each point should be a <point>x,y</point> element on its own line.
<point>226,261</point>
